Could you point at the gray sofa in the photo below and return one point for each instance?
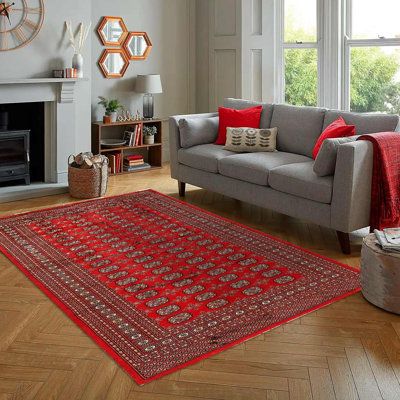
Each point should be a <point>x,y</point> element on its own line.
<point>284,181</point>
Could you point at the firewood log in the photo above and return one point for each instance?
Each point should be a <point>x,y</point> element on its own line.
<point>86,163</point>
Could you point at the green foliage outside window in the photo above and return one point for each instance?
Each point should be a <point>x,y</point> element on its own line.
<point>374,77</point>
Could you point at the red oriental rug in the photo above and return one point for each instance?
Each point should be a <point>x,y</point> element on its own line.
<point>160,284</point>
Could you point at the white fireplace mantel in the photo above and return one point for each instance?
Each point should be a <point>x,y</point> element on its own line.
<point>58,95</point>
<point>65,86</point>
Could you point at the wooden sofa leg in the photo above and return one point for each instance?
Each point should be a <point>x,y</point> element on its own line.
<point>182,188</point>
<point>344,241</point>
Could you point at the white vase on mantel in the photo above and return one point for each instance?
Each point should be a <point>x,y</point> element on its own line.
<point>77,63</point>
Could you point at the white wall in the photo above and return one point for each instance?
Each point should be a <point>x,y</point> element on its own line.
<point>202,55</point>
<point>167,23</point>
<point>49,50</point>
<point>171,27</point>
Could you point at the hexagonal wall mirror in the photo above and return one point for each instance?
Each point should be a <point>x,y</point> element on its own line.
<point>113,63</point>
<point>112,31</point>
<point>137,45</point>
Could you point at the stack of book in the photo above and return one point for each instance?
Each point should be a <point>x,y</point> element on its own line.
<point>133,136</point>
<point>135,163</point>
<point>114,162</point>
<point>389,239</point>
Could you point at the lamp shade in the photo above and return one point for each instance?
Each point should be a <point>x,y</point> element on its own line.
<point>148,84</point>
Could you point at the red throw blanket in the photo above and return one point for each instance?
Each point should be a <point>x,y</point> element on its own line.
<point>385,202</point>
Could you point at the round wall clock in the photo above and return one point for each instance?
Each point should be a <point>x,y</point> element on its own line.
<point>20,22</point>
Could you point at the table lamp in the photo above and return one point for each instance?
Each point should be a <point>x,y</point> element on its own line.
<point>149,85</point>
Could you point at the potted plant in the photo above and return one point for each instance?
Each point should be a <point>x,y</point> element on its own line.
<point>111,107</point>
<point>148,134</point>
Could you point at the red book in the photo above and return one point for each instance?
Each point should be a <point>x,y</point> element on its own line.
<point>119,162</point>
<point>134,157</point>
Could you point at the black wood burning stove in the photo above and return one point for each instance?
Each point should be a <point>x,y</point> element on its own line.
<point>14,156</point>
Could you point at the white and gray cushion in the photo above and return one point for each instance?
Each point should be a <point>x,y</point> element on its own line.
<point>266,115</point>
<point>255,167</point>
<point>298,128</point>
<point>325,162</point>
<point>364,122</point>
<point>195,131</point>
<point>204,156</point>
<point>250,140</point>
<point>300,180</point>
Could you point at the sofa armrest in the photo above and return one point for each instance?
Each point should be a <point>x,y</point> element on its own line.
<point>351,201</point>
<point>175,141</point>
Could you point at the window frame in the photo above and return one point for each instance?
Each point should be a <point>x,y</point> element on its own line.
<point>349,43</point>
<point>334,44</point>
<point>281,46</point>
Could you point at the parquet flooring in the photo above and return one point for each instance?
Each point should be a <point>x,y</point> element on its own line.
<point>349,350</point>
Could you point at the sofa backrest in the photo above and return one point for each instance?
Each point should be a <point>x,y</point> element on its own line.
<point>298,127</point>
<point>364,122</point>
<point>239,104</point>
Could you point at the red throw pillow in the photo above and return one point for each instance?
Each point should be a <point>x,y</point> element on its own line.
<point>230,118</point>
<point>336,129</point>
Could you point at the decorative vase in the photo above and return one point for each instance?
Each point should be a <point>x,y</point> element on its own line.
<point>114,116</point>
<point>148,139</point>
<point>106,119</point>
<point>77,63</point>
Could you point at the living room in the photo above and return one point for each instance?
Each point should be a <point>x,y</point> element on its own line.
<point>199,199</point>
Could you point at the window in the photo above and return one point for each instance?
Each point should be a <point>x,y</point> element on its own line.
<point>372,56</point>
<point>339,54</point>
<point>299,52</point>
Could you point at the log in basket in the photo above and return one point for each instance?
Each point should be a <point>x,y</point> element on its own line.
<point>87,175</point>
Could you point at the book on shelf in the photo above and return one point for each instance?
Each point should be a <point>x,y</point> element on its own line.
<point>133,136</point>
<point>134,160</point>
<point>133,157</point>
<point>133,163</point>
<point>114,162</point>
<point>144,166</point>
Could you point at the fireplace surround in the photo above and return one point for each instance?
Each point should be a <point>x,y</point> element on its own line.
<point>59,136</point>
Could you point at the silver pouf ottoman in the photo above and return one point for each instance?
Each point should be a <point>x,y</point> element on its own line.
<point>380,275</point>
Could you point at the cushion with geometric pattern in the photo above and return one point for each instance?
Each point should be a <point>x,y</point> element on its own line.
<point>250,140</point>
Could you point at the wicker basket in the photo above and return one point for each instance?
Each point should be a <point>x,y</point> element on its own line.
<point>87,183</point>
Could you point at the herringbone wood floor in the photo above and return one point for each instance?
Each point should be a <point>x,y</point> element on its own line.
<point>349,350</point>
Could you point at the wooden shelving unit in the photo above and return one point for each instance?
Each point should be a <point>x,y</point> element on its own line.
<point>152,153</point>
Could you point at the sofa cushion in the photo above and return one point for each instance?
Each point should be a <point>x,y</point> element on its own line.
<point>325,163</point>
<point>298,128</point>
<point>255,167</point>
<point>249,140</point>
<point>229,117</point>
<point>195,131</point>
<point>300,180</point>
<point>204,157</point>
<point>364,123</point>
<point>239,104</point>
<point>337,129</point>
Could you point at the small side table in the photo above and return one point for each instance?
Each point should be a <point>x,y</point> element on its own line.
<point>380,275</point>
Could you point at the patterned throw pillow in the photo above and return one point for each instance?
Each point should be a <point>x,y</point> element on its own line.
<point>250,140</point>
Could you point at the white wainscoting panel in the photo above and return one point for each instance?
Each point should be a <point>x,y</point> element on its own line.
<point>225,17</point>
<point>258,50</point>
<point>225,74</point>
<point>256,75</point>
<point>257,10</point>
<point>225,51</point>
